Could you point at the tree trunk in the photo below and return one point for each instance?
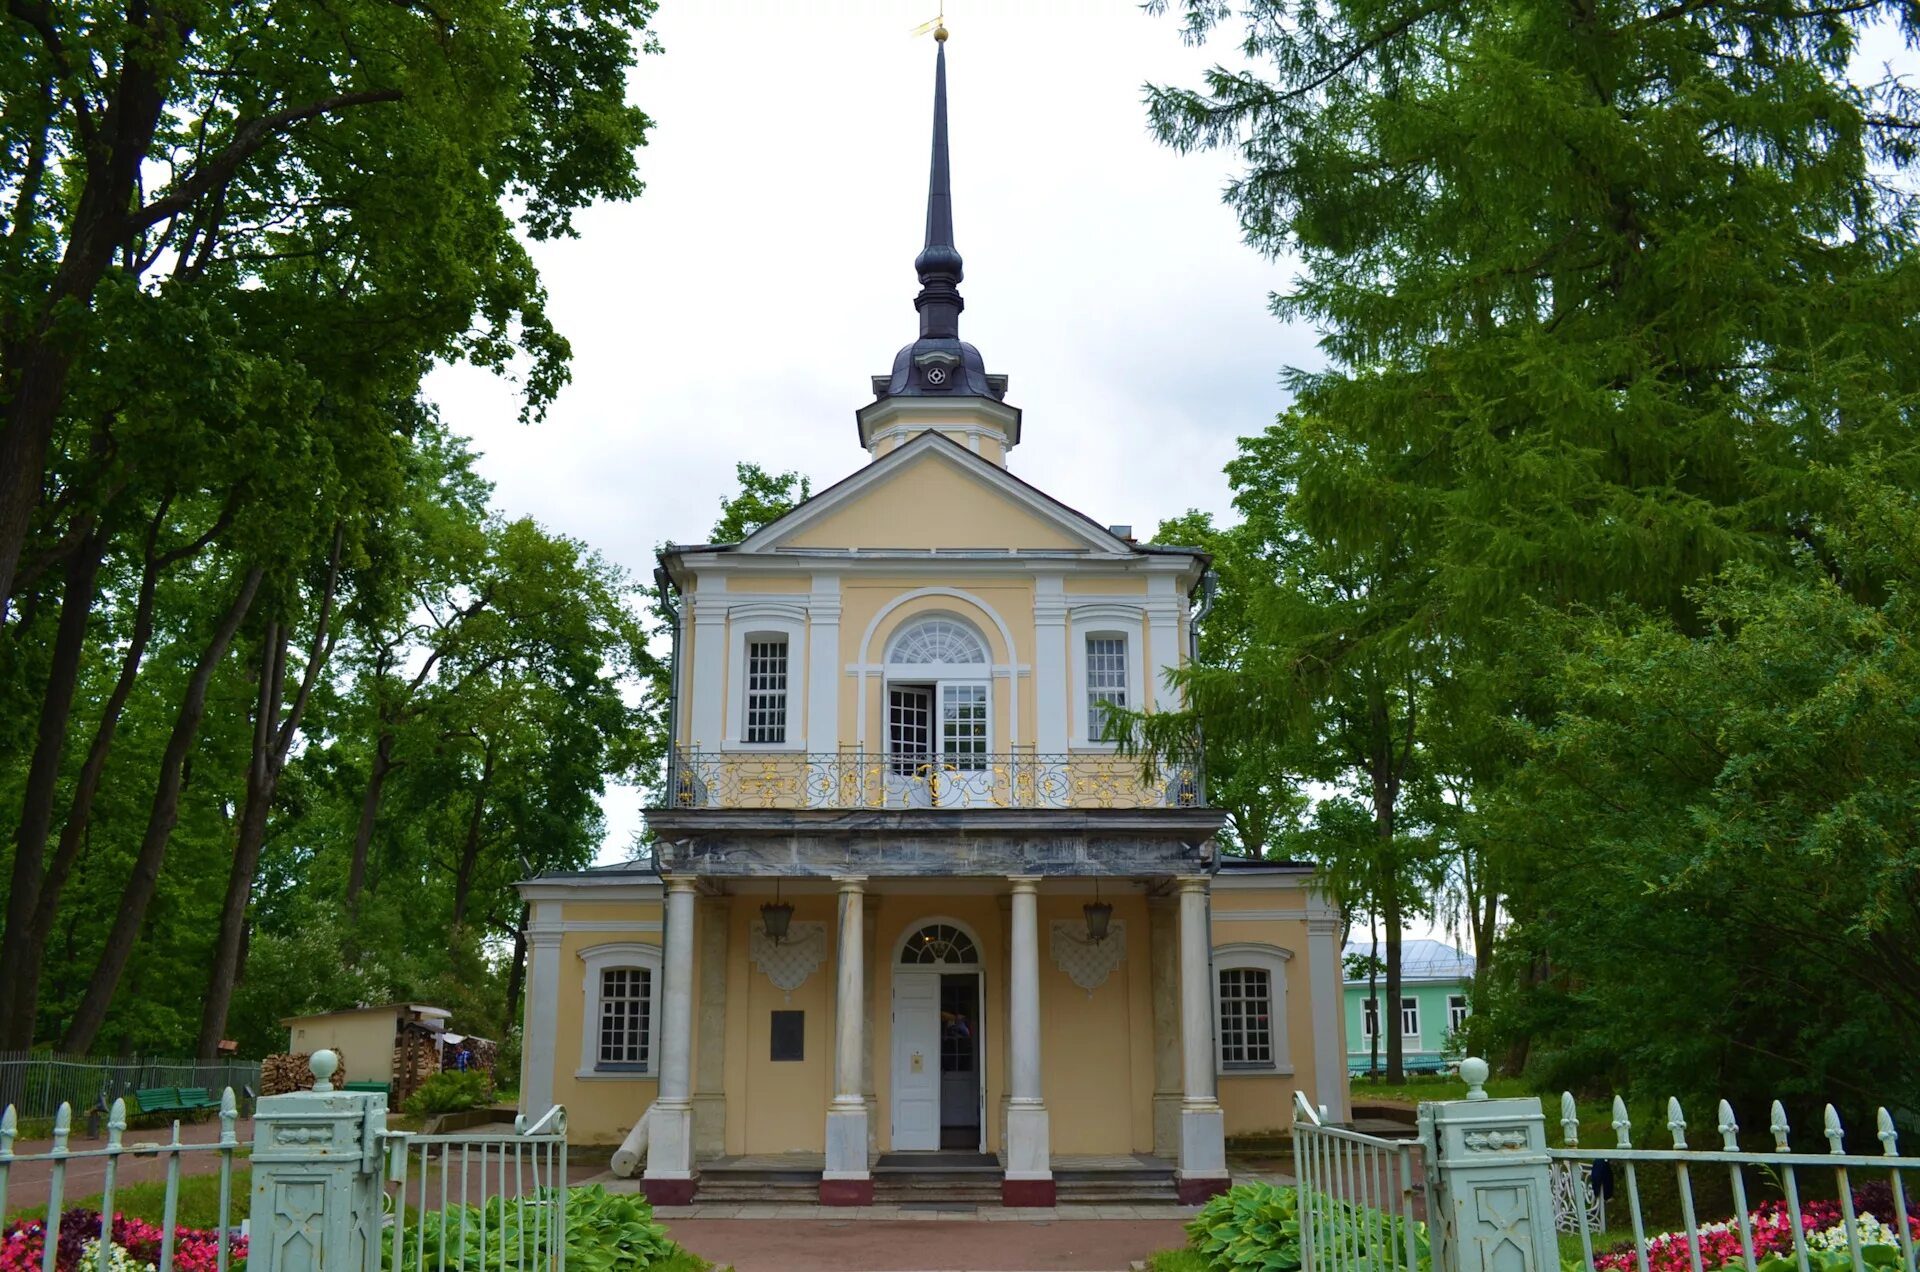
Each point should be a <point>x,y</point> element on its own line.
<point>1373,989</point>
<point>73,832</point>
<point>144,879</point>
<point>517,970</point>
<point>470,851</point>
<point>369,815</point>
<point>272,743</point>
<point>43,778</point>
<point>33,374</point>
<point>1396,1045</point>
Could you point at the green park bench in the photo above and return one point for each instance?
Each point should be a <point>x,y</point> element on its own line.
<point>155,1100</point>
<point>378,1088</point>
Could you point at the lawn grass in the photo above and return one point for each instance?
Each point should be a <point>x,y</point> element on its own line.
<point>1181,1260</point>
<point>198,1207</point>
<point>1432,1086</point>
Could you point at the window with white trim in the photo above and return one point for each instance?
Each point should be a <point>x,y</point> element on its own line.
<point>938,699</point>
<point>1456,1012</point>
<point>1369,1017</point>
<point>1250,1008</point>
<point>1106,681</point>
<point>626,1018</point>
<point>1410,1017</point>
<point>1246,1020</point>
<point>620,1012</point>
<point>766,689</point>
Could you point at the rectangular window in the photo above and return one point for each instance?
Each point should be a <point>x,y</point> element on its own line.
<point>963,726</point>
<point>1369,1017</point>
<point>1106,681</point>
<point>1246,1026</point>
<point>767,689</point>
<point>1410,1017</point>
<point>909,728</point>
<point>1456,1012</point>
<point>626,1017</point>
<point>789,1036</point>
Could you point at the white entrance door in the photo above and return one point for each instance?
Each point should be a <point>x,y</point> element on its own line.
<point>916,1059</point>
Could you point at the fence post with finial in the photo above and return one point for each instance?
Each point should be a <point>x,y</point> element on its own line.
<point>316,1184</point>
<point>1489,1191</point>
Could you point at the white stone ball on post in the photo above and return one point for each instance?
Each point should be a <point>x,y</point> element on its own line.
<point>1474,1072</point>
<point>323,1064</point>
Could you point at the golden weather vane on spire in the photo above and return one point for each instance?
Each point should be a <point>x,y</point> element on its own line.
<point>938,26</point>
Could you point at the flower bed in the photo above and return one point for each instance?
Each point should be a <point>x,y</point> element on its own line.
<point>1821,1223</point>
<point>136,1246</point>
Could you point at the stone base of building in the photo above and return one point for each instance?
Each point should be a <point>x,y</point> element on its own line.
<point>669,1192</point>
<point>1195,1190</point>
<point>846,1192</point>
<point>1026,1192</point>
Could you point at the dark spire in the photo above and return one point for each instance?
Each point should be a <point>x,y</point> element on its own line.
<point>938,264</point>
<point>939,363</point>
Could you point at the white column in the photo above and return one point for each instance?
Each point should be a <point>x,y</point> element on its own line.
<point>1029,1174</point>
<point>670,1132</point>
<point>845,1180</point>
<point>1324,978</point>
<point>1203,1135</point>
<point>543,1009</point>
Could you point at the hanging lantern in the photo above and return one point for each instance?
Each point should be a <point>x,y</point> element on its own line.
<point>775,916</point>
<point>1099,914</point>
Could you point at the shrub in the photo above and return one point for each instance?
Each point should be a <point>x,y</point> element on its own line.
<point>452,1091</point>
<point>1252,1225</point>
<point>606,1232</point>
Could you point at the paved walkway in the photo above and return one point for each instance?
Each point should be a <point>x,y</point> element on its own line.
<point>931,1242</point>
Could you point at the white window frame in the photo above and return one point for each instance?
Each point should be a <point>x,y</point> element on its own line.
<point>601,958</point>
<point>1409,1003</point>
<point>936,678</point>
<point>1458,1009</point>
<point>1367,1017</point>
<point>768,641</point>
<point>1273,960</point>
<point>758,621</point>
<point>1121,622</point>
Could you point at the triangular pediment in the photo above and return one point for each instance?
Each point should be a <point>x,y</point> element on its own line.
<point>934,493</point>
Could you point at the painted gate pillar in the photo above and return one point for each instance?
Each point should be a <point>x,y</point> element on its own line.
<point>1489,1207</point>
<point>317,1177</point>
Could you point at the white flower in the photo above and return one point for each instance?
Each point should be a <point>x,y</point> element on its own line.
<point>117,1261</point>
<point>1870,1230</point>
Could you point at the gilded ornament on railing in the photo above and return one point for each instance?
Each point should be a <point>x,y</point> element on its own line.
<point>870,780</point>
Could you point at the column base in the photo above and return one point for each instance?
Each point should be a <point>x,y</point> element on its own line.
<point>1203,1141</point>
<point>669,1147</point>
<point>846,1192</point>
<point>1027,1192</point>
<point>1196,1190</point>
<point>1029,1142</point>
<point>669,1192</point>
<point>846,1157</point>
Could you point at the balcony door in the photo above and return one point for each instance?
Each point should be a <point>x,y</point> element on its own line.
<point>937,744</point>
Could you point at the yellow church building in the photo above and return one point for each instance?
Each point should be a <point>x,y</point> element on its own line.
<point>910,921</point>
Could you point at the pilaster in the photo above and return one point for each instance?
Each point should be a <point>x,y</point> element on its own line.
<point>543,1008</point>
<point>1330,1090</point>
<point>823,664</point>
<point>707,699</point>
<point>1050,663</point>
<point>1163,958</point>
<point>710,1074</point>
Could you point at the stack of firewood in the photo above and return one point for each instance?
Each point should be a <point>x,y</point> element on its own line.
<point>284,1073</point>
<point>416,1057</point>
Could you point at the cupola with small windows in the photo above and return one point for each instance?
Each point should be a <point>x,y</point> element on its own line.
<point>940,382</point>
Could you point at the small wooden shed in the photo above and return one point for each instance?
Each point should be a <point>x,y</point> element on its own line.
<point>377,1042</point>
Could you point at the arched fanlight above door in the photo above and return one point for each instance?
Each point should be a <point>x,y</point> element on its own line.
<point>939,944</point>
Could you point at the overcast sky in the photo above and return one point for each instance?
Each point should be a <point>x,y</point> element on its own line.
<point>736,310</point>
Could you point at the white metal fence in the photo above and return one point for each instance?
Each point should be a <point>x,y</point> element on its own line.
<point>325,1187</point>
<point>1490,1188</point>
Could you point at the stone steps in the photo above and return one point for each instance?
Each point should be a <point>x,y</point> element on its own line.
<point>768,1186</point>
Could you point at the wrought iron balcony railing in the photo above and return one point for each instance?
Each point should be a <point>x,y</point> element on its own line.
<point>875,780</point>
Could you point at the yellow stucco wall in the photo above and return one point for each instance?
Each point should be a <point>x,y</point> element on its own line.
<point>762,584</point>
<point>931,503</point>
<point>1097,1050</point>
<point>363,1039</point>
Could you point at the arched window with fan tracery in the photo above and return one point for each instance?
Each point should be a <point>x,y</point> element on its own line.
<point>940,944</point>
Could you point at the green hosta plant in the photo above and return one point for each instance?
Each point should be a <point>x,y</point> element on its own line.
<point>1252,1225</point>
<point>606,1232</point>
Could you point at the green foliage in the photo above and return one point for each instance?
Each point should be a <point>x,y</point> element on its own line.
<point>1755,781</point>
<point>605,1232</point>
<point>451,1091</point>
<point>1253,1225</point>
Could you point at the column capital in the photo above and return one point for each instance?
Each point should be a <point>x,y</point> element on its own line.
<point>1024,883</point>
<point>1194,883</point>
<point>682,883</point>
<point>855,884</point>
